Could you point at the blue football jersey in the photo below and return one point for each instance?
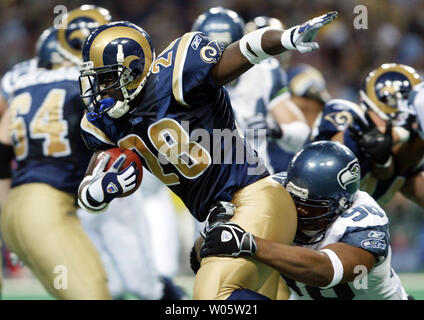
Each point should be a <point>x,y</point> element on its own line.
<point>183,128</point>
<point>337,115</point>
<point>45,111</point>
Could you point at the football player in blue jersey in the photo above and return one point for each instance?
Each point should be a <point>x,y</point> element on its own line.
<point>39,222</point>
<point>174,112</point>
<point>260,97</point>
<point>342,246</point>
<point>379,131</point>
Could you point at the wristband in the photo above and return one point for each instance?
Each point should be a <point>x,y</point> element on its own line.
<point>337,268</point>
<point>287,39</point>
<point>254,53</point>
<point>85,203</point>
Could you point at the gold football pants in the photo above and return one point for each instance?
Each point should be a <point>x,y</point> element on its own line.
<point>40,225</point>
<point>265,209</point>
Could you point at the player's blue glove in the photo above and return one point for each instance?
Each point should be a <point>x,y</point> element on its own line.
<point>300,37</point>
<point>228,239</point>
<point>104,186</point>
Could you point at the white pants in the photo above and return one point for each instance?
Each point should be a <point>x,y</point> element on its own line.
<point>162,219</point>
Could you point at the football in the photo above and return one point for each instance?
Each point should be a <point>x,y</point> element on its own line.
<point>131,157</point>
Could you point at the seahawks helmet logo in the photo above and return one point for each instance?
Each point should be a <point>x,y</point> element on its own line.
<point>349,174</point>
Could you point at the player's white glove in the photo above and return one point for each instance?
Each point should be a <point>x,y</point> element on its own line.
<point>300,37</point>
<point>106,185</point>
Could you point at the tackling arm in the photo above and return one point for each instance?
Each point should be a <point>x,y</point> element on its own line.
<point>264,43</point>
<point>313,267</point>
<point>325,268</point>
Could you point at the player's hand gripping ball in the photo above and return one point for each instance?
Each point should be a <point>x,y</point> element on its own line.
<point>131,158</point>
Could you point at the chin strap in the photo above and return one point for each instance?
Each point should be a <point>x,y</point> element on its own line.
<point>119,109</point>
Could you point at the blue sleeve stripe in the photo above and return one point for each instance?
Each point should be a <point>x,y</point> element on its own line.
<point>375,239</point>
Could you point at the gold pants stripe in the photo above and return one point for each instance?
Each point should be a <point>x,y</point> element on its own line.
<point>40,225</point>
<point>265,209</point>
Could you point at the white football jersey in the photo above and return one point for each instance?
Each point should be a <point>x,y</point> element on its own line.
<point>364,225</point>
<point>11,78</point>
<point>253,95</point>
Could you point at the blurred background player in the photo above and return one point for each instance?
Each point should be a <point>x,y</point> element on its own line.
<point>39,222</point>
<point>130,271</point>
<point>309,93</point>
<point>342,245</point>
<point>377,129</point>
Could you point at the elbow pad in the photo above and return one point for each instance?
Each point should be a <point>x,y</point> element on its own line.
<point>294,136</point>
<point>251,46</point>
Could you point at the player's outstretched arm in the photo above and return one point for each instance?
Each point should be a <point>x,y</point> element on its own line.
<point>324,268</point>
<point>264,43</point>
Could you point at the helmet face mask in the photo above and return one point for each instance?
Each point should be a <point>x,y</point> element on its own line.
<point>387,89</point>
<point>105,82</point>
<point>118,58</point>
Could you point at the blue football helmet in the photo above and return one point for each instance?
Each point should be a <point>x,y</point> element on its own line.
<point>78,24</point>
<point>46,49</point>
<point>220,24</point>
<point>117,60</point>
<point>386,91</point>
<point>263,22</point>
<point>306,81</point>
<point>322,178</point>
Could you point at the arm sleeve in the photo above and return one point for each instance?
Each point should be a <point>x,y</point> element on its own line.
<point>374,239</point>
<point>195,56</point>
<point>94,138</point>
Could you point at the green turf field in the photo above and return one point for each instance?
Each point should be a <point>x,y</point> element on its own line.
<point>30,289</point>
